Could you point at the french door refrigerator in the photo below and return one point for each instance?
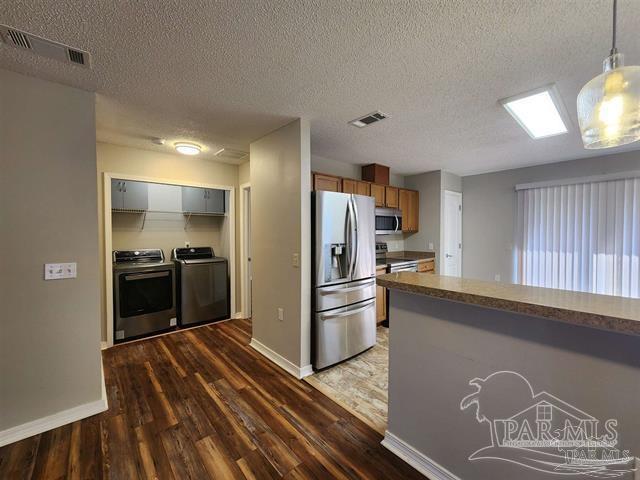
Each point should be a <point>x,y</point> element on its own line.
<point>343,279</point>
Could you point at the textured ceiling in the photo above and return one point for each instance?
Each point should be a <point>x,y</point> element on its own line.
<point>225,73</point>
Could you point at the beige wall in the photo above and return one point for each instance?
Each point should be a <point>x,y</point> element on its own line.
<point>177,168</point>
<point>280,228</point>
<point>50,338</point>
<point>244,173</point>
<point>489,204</point>
<point>166,231</point>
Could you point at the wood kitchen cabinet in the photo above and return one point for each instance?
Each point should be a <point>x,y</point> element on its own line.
<point>355,186</point>
<point>381,298</point>
<point>385,196</point>
<point>349,186</point>
<point>426,266</point>
<point>409,205</point>
<point>363,188</point>
<point>391,197</point>
<point>378,192</point>
<point>327,182</point>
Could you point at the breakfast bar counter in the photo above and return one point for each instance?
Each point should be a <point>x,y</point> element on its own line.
<point>509,363</point>
<point>598,311</point>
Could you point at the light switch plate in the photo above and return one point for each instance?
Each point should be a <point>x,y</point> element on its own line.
<point>281,314</point>
<point>58,271</point>
<point>296,260</point>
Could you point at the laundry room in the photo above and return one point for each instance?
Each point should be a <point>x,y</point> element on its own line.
<point>169,241</point>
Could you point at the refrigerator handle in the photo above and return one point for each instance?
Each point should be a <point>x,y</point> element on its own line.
<point>350,239</point>
<point>356,234</point>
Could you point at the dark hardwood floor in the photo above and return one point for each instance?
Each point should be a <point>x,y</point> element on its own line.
<point>202,404</point>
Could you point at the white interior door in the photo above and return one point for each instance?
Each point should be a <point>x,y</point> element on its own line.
<point>248,257</point>
<point>245,248</point>
<point>452,239</point>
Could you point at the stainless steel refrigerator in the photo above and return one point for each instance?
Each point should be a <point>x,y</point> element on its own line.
<point>344,285</point>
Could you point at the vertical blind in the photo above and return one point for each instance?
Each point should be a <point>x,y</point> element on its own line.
<point>583,237</point>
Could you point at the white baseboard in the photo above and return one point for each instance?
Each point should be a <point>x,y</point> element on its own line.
<point>238,315</point>
<point>289,367</point>
<point>20,432</point>
<point>40,425</point>
<point>416,459</point>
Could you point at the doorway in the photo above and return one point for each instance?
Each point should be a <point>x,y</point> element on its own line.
<point>451,257</point>
<point>245,248</point>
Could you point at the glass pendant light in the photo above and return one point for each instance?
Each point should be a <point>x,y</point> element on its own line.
<point>609,105</point>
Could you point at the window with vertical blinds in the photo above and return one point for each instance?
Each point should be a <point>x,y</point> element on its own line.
<point>580,236</point>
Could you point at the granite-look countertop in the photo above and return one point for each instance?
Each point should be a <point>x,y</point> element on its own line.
<point>411,255</point>
<point>604,312</point>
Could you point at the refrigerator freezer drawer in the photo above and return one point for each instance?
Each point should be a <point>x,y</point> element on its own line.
<point>335,296</point>
<point>344,332</point>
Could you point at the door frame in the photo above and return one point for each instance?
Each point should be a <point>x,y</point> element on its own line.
<point>245,230</point>
<point>108,240</point>
<point>444,229</point>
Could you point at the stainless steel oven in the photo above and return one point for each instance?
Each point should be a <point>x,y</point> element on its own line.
<point>388,220</point>
<point>143,293</point>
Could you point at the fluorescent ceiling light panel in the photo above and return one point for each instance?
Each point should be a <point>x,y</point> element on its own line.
<point>539,112</point>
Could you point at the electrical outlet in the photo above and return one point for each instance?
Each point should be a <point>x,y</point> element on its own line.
<point>295,261</point>
<point>497,277</point>
<point>187,244</point>
<point>281,314</point>
<point>430,245</point>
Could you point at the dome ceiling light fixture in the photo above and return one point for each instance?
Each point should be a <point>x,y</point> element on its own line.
<point>186,148</point>
<point>609,105</point>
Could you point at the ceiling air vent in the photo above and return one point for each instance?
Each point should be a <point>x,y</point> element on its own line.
<point>76,56</point>
<point>231,154</point>
<point>369,119</point>
<point>18,39</point>
<point>43,47</point>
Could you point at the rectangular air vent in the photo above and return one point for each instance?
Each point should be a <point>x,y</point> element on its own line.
<point>76,56</point>
<point>42,46</point>
<point>369,119</point>
<point>231,154</point>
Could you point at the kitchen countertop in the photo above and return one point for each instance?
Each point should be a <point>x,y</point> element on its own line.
<point>604,312</point>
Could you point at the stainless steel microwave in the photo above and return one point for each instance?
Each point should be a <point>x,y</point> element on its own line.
<point>388,221</point>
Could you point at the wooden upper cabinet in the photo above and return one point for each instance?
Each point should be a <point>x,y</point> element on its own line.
<point>349,186</point>
<point>414,211</point>
<point>327,182</point>
<point>363,188</point>
<point>378,192</point>
<point>391,197</point>
<point>409,205</point>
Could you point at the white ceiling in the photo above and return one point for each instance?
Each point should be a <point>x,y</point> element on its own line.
<point>226,73</point>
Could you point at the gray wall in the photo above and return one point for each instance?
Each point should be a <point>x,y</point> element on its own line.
<point>50,331</point>
<point>489,203</point>
<point>429,186</point>
<point>281,227</point>
<point>437,347</point>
